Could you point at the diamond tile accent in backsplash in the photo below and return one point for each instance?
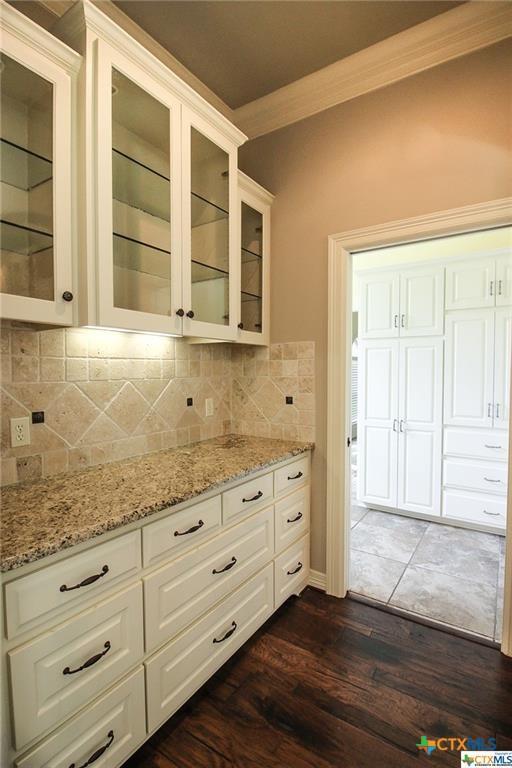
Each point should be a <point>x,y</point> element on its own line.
<point>110,395</point>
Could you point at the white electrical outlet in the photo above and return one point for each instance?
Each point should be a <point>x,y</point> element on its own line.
<point>208,404</point>
<point>20,432</point>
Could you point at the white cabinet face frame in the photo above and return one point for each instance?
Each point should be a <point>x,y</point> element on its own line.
<point>108,59</point>
<point>420,425</point>
<point>378,422</point>
<point>260,203</point>
<point>379,308</point>
<point>502,360</point>
<point>56,311</point>
<point>471,283</point>
<point>504,280</point>
<point>191,326</point>
<point>422,301</point>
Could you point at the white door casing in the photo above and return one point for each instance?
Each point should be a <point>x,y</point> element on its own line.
<point>379,305</point>
<point>422,301</point>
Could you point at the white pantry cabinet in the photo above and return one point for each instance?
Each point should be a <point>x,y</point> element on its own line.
<point>479,282</point>
<point>406,302</point>
<point>37,172</point>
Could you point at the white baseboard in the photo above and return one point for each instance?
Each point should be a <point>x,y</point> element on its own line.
<point>317,579</point>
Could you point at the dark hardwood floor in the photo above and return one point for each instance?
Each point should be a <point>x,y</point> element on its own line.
<point>330,682</point>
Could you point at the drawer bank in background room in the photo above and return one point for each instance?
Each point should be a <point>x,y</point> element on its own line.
<point>114,618</point>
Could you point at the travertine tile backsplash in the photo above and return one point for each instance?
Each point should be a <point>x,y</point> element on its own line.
<point>108,395</point>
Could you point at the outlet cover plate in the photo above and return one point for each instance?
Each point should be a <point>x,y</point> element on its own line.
<point>20,432</point>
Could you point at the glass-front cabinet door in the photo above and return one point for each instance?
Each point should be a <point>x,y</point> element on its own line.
<point>209,231</point>
<point>138,257</point>
<point>254,299</point>
<point>36,184</point>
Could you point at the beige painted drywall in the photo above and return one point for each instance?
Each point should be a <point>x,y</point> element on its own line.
<point>435,141</point>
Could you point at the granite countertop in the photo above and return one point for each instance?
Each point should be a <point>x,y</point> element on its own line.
<point>45,516</point>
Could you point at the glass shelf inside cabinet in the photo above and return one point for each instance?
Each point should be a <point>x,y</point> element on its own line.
<point>22,168</point>
<point>206,212</point>
<point>202,272</point>
<point>137,256</point>
<point>246,296</point>
<point>140,186</point>
<point>23,240</point>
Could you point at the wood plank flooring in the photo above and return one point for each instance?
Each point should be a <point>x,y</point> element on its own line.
<point>330,682</point>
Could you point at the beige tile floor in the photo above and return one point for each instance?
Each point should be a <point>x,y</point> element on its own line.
<point>437,571</point>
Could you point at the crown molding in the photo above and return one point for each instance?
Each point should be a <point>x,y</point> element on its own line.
<point>247,184</point>
<point>450,35</point>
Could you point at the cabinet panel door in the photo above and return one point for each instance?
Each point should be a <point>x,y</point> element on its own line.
<point>379,305</point>
<point>502,353</point>
<point>139,202</point>
<point>420,427</point>
<point>422,302</point>
<point>469,367</point>
<point>470,284</point>
<point>504,280</point>
<point>378,422</point>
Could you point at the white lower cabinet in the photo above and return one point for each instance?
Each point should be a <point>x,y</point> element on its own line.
<point>489,477</point>
<point>477,508</point>
<point>291,571</point>
<point>106,733</point>
<point>181,667</point>
<point>292,518</point>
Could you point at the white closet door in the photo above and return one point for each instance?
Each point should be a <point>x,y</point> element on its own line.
<point>470,284</point>
<point>502,353</point>
<point>378,422</point>
<point>504,280</point>
<point>422,302</point>
<point>379,305</point>
<point>469,368</point>
<point>420,427</point>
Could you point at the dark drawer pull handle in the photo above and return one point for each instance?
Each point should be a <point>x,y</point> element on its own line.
<point>227,567</point>
<point>254,498</point>
<point>294,519</point>
<point>87,581</point>
<point>228,633</point>
<point>190,530</point>
<point>492,446</point>
<point>297,569</point>
<point>295,477</point>
<point>491,480</point>
<point>96,755</point>
<point>90,662</point>
<point>491,514</point>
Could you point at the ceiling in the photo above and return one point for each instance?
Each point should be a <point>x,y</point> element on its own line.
<point>244,49</point>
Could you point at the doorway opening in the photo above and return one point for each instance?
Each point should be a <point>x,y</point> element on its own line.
<point>430,360</point>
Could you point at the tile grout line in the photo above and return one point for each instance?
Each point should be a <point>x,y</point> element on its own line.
<point>408,563</point>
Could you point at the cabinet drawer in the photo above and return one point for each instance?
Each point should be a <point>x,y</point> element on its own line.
<point>181,667</point>
<point>43,595</point>
<point>478,476</point>
<point>174,596</point>
<point>289,477</point>
<point>117,721</point>
<point>57,673</point>
<point>291,570</point>
<point>292,518</point>
<point>181,530</point>
<point>245,498</point>
<point>476,443</point>
<point>475,508</point>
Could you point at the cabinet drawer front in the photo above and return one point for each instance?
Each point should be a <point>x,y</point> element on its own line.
<point>292,518</point>
<point>181,530</point>
<point>117,721</point>
<point>291,570</point>
<point>60,671</point>
<point>291,475</point>
<point>45,594</point>
<point>242,500</point>
<point>475,508</point>
<point>478,476</point>
<point>476,443</point>
<point>174,596</point>
<point>181,667</point>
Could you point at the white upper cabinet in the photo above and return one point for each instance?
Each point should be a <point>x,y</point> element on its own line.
<point>476,283</point>
<point>37,178</point>
<point>502,352</point>
<point>504,280</point>
<point>254,292</point>
<point>406,302</point>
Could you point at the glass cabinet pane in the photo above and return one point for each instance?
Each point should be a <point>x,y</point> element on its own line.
<point>141,190</point>
<point>252,269</point>
<point>26,176</point>
<point>210,230</point>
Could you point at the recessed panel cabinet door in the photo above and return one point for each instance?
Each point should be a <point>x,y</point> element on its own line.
<point>469,369</point>
<point>504,280</point>
<point>420,425</point>
<point>379,305</point>
<point>422,302</point>
<point>502,353</point>
<point>470,284</point>
<point>378,422</point>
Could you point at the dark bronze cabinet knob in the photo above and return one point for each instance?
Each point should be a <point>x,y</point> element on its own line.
<point>180,312</point>
<point>67,296</point>
<point>241,326</point>
<point>190,314</point>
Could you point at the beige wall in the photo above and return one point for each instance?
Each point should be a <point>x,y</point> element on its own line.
<point>438,140</point>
